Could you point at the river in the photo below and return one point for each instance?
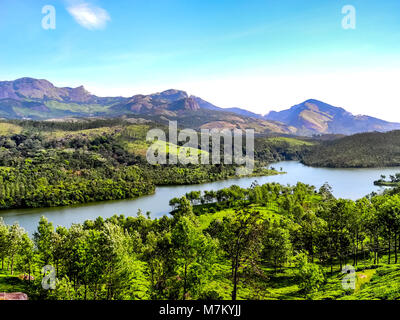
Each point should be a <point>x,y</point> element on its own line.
<point>346,183</point>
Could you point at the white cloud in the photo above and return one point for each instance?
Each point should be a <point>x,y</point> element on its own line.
<point>89,16</point>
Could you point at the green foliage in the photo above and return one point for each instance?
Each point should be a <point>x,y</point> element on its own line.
<point>309,275</point>
<point>49,164</point>
<point>373,149</point>
<point>277,245</point>
<point>273,149</point>
<point>233,244</point>
<point>195,255</point>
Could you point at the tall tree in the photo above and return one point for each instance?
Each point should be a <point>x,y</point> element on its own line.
<point>15,243</point>
<point>4,241</point>
<point>277,247</point>
<point>194,254</point>
<point>43,240</point>
<point>240,238</point>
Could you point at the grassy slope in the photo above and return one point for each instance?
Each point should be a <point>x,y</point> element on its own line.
<point>9,283</point>
<point>290,141</point>
<point>372,282</point>
<point>59,134</point>
<point>384,284</point>
<point>74,107</point>
<point>9,129</point>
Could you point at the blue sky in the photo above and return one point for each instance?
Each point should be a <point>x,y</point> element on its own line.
<point>258,55</point>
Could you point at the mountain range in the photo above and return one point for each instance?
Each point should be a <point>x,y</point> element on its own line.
<point>35,99</point>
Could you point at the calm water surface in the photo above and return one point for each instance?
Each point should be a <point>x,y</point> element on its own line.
<point>346,183</point>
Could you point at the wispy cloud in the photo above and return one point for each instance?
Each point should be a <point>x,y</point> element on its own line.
<point>89,16</point>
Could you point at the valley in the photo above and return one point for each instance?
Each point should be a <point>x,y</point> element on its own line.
<point>77,193</point>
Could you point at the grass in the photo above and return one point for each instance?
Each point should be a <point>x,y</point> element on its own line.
<point>136,147</point>
<point>136,131</point>
<point>291,141</point>
<point>59,134</point>
<point>140,147</point>
<point>133,139</point>
<point>9,129</point>
<point>383,284</point>
<point>74,107</point>
<point>363,278</point>
<point>9,283</point>
<point>206,219</point>
<point>372,281</point>
<point>170,148</point>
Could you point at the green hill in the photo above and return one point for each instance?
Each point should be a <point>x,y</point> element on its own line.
<point>363,150</point>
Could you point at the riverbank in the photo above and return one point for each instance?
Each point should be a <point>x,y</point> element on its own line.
<point>386,183</point>
<point>342,181</point>
<point>144,185</point>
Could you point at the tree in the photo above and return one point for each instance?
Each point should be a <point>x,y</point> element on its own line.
<point>194,254</point>
<point>326,191</point>
<point>158,252</point>
<point>358,225</point>
<point>277,247</point>
<point>310,276</point>
<point>223,195</point>
<point>337,235</point>
<point>389,218</point>
<point>4,241</point>
<point>43,240</point>
<point>240,238</point>
<point>174,203</point>
<point>27,255</point>
<point>209,196</point>
<point>119,264</point>
<point>15,243</point>
<point>184,209</point>
<point>193,197</point>
<point>372,228</point>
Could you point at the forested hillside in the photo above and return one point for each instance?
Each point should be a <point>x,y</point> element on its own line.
<point>274,149</point>
<point>362,150</point>
<point>48,164</point>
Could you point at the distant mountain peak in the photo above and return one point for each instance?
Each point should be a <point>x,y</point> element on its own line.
<point>315,117</point>
<point>40,89</point>
<point>313,101</point>
<point>173,91</point>
<point>170,95</point>
<point>81,88</point>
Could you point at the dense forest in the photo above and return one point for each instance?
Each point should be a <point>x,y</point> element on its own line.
<point>48,164</point>
<point>265,242</point>
<point>280,148</point>
<point>373,149</point>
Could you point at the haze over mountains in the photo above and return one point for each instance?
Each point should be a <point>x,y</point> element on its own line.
<point>29,98</point>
